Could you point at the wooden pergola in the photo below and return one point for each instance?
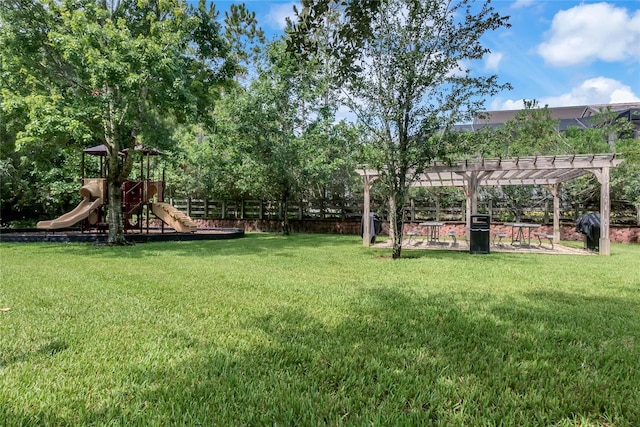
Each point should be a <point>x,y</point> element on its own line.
<point>550,171</point>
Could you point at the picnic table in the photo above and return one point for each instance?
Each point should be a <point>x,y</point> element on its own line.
<point>518,237</point>
<point>433,230</point>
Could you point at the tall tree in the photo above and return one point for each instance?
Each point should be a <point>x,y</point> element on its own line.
<point>245,38</point>
<point>400,64</point>
<point>284,138</point>
<point>110,72</point>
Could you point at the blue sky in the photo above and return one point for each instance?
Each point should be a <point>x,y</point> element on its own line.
<point>558,52</point>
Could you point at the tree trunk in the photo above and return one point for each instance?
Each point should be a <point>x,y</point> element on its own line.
<point>115,217</point>
<point>638,214</point>
<point>395,225</point>
<point>285,212</point>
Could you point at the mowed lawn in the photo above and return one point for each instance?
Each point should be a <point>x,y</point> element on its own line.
<point>313,330</point>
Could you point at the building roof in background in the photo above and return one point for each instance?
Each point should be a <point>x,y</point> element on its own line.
<point>578,116</point>
<point>562,113</point>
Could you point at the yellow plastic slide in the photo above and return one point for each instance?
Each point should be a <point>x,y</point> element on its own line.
<point>80,212</point>
<point>173,217</point>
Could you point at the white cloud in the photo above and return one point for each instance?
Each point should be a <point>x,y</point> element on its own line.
<point>588,32</point>
<point>492,61</point>
<point>278,14</point>
<point>510,104</point>
<point>599,90</point>
<point>522,3</point>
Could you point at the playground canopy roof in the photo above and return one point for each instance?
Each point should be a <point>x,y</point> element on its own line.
<point>98,150</point>
<point>101,150</point>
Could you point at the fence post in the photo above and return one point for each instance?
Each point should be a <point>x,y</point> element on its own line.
<point>413,209</point>
<point>189,206</point>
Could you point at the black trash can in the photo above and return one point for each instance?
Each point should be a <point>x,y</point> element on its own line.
<point>479,236</point>
<point>375,226</point>
<point>589,226</point>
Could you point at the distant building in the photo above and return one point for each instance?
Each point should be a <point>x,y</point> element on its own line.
<point>579,116</point>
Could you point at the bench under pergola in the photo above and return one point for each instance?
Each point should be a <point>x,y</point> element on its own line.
<point>549,171</point>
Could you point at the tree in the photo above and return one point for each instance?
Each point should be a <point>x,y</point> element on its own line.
<point>532,131</point>
<point>282,134</point>
<point>111,72</point>
<point>626,177</point>
<point>244,38</point>
<point>400,66</point>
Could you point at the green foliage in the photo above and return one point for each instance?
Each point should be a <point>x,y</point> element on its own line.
<point>533,131</point>
<point>584,141</point>
<point>204,163</point>
<point>316,330</point>
<point>115,73</point>
<point>243,36</point>
<point>36,184</point>
<point>335,30</point>
<point>276,139</point>
<point>626,178</point>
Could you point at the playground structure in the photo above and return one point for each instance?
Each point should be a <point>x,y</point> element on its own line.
<point>140,200</point>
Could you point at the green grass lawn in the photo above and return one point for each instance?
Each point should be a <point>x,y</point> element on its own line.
<point>310,330</point>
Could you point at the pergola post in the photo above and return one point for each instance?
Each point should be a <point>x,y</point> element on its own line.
<point>555,192</point>
<point>471,193</point>
<point>602,175</point>
<point>605,213</point>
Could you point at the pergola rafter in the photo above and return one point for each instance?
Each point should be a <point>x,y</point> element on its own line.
<point>549,171</point>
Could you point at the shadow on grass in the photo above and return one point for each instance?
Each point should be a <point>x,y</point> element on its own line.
<point>49,348</point>
<point>398,358</point>
<point>495,258</point>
